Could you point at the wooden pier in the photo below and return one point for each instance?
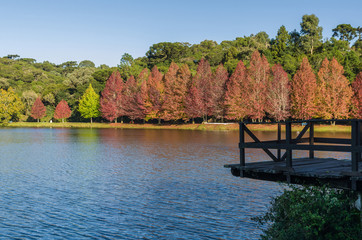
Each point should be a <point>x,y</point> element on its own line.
<point>345,174</point>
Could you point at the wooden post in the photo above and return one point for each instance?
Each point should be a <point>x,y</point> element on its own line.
<point>311,139</point>
<point>279,138</point>
<point>359,140</point>
<point>288,138</point>
<point>242,148</point>
<point>355,140</point>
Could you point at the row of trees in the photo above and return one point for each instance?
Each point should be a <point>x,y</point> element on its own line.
<point>255,93</point>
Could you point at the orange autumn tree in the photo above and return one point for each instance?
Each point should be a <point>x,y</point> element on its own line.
<point>334,95</point>
<point>357,96</point>
<point>62,111</point>
<point>258,78</point>
<point>236,94</point>
<point>38,110</point>
<point>155,94</point>
<point>278,100</point>
<point>303,92</point>
<point>202,81</point>
<point>219,79</point>
<point>176,81</point>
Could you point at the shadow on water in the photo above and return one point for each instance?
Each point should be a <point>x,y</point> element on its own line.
<point>126,184</point>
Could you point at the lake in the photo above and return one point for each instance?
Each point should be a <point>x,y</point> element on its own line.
<point>127,184</point>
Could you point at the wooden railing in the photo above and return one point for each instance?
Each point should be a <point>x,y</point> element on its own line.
<point>352,145</point>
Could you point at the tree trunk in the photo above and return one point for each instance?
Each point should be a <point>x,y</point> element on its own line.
<point>38,119</point>
<point>115,120</point>
<point>193,121</point>
<point>122,119</point>
<point>91,120</point>
<point>62,120</point>
<point>159,121</point>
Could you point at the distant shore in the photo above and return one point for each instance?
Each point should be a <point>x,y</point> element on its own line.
<point>201,127</point>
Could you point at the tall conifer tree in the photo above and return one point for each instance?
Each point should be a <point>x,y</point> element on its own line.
<point>236,95</point>
<point>111,99</point>
<point>278,99</point>
<point>202,81</point>
<point>174,107</point>
<point>169,104</point>
<point>155,94</point>
<point>336,94</point>
<point>89,104</point>
<point>357,96</point>
<point>217,94</point>
<point>303,92</point>
<point>258,77</point>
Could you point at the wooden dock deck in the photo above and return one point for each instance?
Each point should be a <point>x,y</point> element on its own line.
<point>345,174</point>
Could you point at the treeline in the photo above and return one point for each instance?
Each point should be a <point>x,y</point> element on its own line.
<point>257,93</point>
<point>287,51</point>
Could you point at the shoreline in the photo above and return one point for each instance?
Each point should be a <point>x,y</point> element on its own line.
<point>197,127</point>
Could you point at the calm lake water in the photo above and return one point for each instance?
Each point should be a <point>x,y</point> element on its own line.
<point>127,184</point>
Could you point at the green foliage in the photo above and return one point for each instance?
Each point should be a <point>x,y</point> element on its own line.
<point>345,32</point>
<point>86,63</point>
<point>309,212</point>
<point>89,104</point>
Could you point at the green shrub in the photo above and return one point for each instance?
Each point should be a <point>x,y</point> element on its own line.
<point>309,212</point>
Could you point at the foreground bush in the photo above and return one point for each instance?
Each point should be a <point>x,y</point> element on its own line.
<point>312,213</point>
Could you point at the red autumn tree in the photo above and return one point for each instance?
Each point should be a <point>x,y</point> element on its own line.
<point>193,102</point>
<point>336,94</point>
<point>134,98</point>
<point>303,92</point>
<point>278,100</point>
<point>62,111</point>
<point>174,106</point>
<point>111,100</point>
<point>155,94</point>
<point>128,97</point>
<point>170,104</point>
<point>258,77</point>
<point>357,96</point>
<point>38,110</point>
<point>236,94</point>
<point>219,78</point>
<point>140,99</point>
<point>202,81</point>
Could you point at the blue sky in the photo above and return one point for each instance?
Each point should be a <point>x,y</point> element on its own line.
<point>103,30</point>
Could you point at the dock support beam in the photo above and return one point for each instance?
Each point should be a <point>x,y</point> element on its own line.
<point>279,138</point>
<point>355,135</point>
<point>242,148</point>
<point>311,139</point>
<point>288,138</point>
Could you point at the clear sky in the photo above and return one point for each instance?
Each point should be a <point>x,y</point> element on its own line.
<point>103,30</point>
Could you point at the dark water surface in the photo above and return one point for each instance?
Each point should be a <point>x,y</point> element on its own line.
<point>126,184</point>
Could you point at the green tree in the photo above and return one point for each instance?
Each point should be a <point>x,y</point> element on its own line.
<point>345,32</point>
<point>311,33</point>
<point>130,67</point>
<point>89,104</point>
<point>10,105</point>
<point>280,44</point>
<point>86,63</point>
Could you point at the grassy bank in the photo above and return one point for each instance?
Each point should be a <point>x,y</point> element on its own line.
<point>204,127</point>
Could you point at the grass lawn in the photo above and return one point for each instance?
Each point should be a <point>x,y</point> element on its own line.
<point>204,127</point>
